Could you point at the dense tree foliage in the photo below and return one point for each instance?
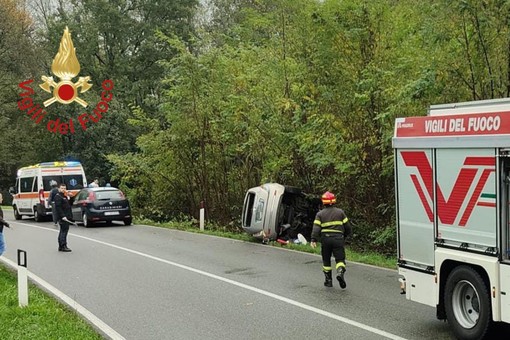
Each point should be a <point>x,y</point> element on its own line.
<point>214,97</point>
<point>21,141</point>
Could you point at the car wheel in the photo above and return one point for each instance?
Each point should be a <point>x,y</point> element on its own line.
<point>37,216</point>
<point>128,221</point>
<point>86,222</point>
<point>17,215</point>
<point>467,304</point>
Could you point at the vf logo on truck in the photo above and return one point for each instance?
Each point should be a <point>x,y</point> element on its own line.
<point>448,209</point>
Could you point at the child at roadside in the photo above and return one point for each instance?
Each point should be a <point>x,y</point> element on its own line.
<point>2,224</point>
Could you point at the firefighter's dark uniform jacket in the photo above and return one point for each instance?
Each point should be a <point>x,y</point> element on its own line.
<point>331,220</point>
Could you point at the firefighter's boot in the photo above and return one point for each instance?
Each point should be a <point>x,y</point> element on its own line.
<point>328,279</point>
<point>340,277</point>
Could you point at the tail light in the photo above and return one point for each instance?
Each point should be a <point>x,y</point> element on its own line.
<point>41,196</point>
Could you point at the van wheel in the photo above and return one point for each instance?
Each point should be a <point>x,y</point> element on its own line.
<point>37,216</point>
<point>17,216</point>
<point>467,304</point>
<point>128,221</point>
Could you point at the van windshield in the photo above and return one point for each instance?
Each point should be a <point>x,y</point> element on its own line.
<point>72,182</point>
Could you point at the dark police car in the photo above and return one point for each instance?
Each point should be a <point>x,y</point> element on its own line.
<point>92,205</point>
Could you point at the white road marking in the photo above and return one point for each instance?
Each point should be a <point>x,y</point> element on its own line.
<point>242,285</point>
<point>103,327</point>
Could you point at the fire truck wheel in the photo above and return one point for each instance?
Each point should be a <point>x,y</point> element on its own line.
<point>467,304</point>
<point>17,215</point>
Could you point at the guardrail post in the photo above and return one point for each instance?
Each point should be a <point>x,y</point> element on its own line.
<point>202,216</point>
<point>22,278</point>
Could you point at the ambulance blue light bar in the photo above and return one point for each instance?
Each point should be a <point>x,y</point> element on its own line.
<point>52,164</point>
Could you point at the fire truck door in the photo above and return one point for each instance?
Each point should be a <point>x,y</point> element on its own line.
<point>505,237</point>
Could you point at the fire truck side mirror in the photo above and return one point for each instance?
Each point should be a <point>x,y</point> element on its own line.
<point>12,191</point>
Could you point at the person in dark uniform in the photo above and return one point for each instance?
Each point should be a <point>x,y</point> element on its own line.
<point>64,216</point>
<point>332,226</point>
<point>51,199</point>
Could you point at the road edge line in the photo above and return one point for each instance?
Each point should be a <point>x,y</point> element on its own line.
<point>97,323</point>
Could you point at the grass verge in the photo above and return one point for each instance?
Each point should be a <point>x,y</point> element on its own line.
<point>43,318</point>
<point>371,258</point>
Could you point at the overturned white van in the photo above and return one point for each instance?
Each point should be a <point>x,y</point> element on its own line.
<point>272,211</point>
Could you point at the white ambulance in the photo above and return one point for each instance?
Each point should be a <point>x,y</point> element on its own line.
<point>33,185</point>
<point>452,174</point>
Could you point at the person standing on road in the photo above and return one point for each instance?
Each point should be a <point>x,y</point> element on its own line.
<point>2,224</point>
<point>53,193</point>
<point>332,226</point>
<point>64,216</point>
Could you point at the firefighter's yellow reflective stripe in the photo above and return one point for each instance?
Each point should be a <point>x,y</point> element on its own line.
<point>331,231</point>
<point>326,269</point>
<point>332,223</point>
<point>329,224</point>
<point>340,264</point>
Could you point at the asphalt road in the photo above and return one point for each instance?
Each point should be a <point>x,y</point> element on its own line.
<point>153,283</point>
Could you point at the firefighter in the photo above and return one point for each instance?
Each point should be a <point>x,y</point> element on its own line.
<point>333,227</point>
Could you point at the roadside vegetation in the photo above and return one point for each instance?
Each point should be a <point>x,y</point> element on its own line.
<point>43,318</point>
<point>214,97</point>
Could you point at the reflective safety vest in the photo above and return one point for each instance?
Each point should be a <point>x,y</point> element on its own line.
<point>331,220</point>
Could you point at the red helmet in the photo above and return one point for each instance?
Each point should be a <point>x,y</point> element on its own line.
<point>328,198</point>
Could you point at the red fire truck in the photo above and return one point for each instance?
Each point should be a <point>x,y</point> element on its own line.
<point>452,175</point>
